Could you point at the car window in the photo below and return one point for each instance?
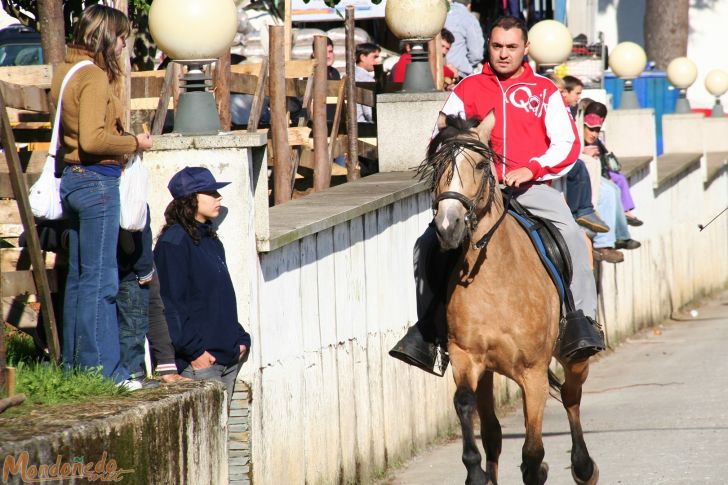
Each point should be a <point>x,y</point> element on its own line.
<point>21,55</point>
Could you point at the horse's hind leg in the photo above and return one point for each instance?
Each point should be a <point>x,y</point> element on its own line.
<point>535,392</point>
<point>490,428</point>
<point>583,469</point>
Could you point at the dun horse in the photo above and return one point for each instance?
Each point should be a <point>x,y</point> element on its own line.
<point>503,311</point>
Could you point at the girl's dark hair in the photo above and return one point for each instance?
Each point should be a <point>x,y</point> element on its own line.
<point>597,108</point>
<point>182,211</point>
<point>97,31</point>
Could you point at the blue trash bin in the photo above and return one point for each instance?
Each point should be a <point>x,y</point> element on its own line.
<point>653,91</point>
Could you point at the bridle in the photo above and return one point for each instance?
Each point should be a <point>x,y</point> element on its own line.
<point>454,147</point>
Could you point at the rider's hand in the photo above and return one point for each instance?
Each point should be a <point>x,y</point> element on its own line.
<point>518,176</point>
<point>591,150</point>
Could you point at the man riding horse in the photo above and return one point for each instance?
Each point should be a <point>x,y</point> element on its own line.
<point>537,141</point>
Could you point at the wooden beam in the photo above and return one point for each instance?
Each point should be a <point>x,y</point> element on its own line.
<point>15,259</point>
<point>221,81</point>
<point>256,108</point>
<point>352,162</point>
<point>337,118</point>
<point>38,76</point>
<point>295,69</point>
<point>24,97</point>
<point>16,283</point>
<point>322,164</point>
<point>282,173</point>
<point>20,189</point>
<point>165,97</point>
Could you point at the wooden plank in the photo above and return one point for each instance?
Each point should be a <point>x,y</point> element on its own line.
<point>39,76</point>
<point>15,259</point>
<point>256,108</point>
<point>352,152</point>
<point>31,98</point>
<point>11,230</point>
<point>295,69</point>
<point>149,104</point>
<point>246,84</point>
<point>20,188</point>
<point>164,102</point>
<point>9,212</point>
<point>21,282</point>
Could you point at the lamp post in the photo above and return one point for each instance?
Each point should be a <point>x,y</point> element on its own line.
<point>716,82</point>
<point>682,72</point>
<point>551,44</point>
<point>416,22</point>
<point>627,61</point>
<point>194,33</point>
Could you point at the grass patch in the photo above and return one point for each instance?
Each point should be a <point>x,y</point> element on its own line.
<point>48,383</point>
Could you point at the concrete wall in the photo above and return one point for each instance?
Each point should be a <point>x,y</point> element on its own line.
<point>170,435</point>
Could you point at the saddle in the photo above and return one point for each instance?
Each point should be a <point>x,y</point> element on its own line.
<point>551,248</point>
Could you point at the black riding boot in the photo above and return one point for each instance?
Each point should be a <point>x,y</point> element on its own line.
<point>580,337</point>
<point>425,344</point>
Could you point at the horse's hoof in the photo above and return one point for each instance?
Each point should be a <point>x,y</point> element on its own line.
<point>593,480</point>
<point>543,472</point>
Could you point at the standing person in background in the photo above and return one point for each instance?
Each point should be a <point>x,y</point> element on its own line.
<point>195,284</point>
<point>367,56</point>
<point>467,50</point>
<point>573,87</point>
<point>95,146</point>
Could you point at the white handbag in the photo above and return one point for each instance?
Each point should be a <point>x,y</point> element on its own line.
<point>133,193</point>
<point>45,194</point>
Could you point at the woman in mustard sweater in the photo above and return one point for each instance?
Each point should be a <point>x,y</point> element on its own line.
<point>95,146</point>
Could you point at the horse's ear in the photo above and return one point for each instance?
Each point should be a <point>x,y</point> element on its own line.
<point>485,127</point>
<point>441,121</point>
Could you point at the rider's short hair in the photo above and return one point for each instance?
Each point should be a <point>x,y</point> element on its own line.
<point>508,22</point>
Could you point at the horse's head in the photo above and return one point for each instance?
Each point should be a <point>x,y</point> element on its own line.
<point>459,163</point>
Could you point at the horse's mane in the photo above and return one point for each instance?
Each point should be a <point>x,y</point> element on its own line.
<point>457,135</point>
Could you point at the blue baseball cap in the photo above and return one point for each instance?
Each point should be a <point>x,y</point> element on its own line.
<point>191,180</point>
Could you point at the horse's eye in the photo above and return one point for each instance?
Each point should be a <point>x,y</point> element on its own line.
<point>481,165</point>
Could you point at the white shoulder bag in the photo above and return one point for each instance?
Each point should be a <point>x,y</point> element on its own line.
<point>45,194</point>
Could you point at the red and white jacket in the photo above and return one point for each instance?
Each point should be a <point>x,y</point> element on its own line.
<point>533,126</point>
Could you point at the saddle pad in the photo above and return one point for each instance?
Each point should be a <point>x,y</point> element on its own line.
<point>528,226</point>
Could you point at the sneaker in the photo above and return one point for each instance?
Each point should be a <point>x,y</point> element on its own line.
<point>138,384</point>
<point>633,221</point>
<point>627,244</point>
<point>593,222</point>
<point>610,255</point>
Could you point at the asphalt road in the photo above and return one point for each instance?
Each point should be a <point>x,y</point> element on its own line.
<point>655,411</point>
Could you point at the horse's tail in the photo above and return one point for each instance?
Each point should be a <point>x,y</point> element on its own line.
<point>554,382</point>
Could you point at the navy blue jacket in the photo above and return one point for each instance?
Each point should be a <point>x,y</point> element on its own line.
<point>198,296</point>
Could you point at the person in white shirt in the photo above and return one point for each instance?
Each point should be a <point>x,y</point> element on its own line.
<point>367,56</point>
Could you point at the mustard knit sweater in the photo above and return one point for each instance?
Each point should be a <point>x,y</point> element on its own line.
<point>90,115</point>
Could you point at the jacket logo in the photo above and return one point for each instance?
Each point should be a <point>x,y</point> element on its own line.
<point>523,98</point>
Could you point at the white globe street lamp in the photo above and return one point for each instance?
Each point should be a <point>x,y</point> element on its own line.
<point>551,43</point>
<point>627,61</point>
<point>716,82</point>
<point>682,72</point>
<point>194,33</point>
<point>416,22</point>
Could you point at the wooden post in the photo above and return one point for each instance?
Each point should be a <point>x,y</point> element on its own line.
<point>434,55</point>
<point>52,31</point>
<point>322,164</point>
<point>287,29</point>
<point>278,118</point>
<point>352,162</point>
<point>163,105</point>
<point>2,333</point>
<point>125,82</point>
<point>256,108</point>
<point>222,91</point>
<point>337,119</point>
<point>10,381</point>
<point>20,190</point>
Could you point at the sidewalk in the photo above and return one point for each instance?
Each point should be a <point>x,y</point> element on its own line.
<point>654,411</point>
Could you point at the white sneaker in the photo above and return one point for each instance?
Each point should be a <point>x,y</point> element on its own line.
<point>131,384</point>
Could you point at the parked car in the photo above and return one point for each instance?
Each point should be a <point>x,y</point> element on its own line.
<point>20,46</point>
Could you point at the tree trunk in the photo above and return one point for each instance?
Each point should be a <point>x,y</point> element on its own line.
<point>52,30</point>
<point>666,30</point>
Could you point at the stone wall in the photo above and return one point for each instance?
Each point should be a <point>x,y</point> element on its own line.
<point>171,435</point>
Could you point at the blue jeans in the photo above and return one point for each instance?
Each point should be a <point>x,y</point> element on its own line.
<point>90,328</point>
<point>578,190</point>
<point>132,305</point>
<point>611,210</point>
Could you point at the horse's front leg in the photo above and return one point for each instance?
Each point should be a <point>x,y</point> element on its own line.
<point>584,470</point>
<point>490,428</point>
<point>535,391</point>
<point>466,380</point>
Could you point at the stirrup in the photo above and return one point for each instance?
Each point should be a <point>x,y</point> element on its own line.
<point>414,350</point>
<point>580,337</point>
